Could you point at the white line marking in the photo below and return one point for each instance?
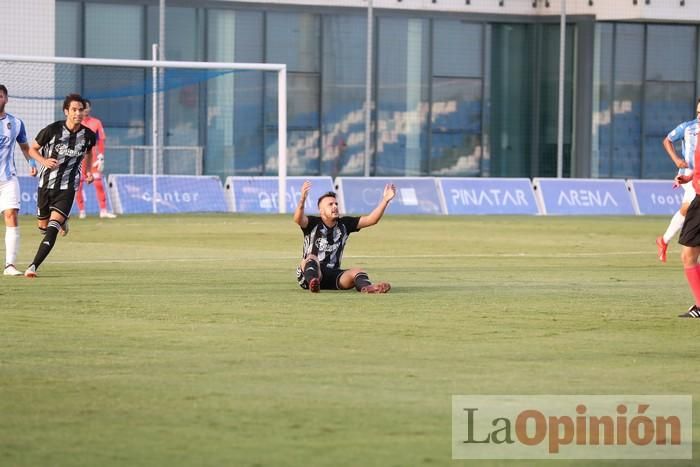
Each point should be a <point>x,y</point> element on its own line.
<point>196,259</point>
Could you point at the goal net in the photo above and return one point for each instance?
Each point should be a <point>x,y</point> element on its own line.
<point>163,118</point>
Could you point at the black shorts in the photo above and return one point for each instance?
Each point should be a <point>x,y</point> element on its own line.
<point>60,201</point>
<point>690,233</point>
<point>329,278</point>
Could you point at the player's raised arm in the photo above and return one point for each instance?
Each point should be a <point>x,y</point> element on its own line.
<point>299,216</point>
<point>374,217</point>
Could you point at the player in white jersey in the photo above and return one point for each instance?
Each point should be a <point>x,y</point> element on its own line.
<point>689,132</point>
<point>11,131</point>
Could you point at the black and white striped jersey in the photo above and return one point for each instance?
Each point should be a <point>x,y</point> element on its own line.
<point>327,243</point>
<point>69,148</point>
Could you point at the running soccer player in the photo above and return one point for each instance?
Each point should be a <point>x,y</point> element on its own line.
<point>11,131</point>
<point>97,167</point>
<point>324,241</point>
<point>690,232</point>
<point>688,132</point>
<point>60,148</point>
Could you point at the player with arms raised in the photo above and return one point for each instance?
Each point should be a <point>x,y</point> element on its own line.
<point>324,241</point>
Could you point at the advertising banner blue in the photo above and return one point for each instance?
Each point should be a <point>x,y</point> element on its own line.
<point>577,196</point>
<point>656,196</point>
<point>133,194</point>
<point>260,194</point>
<point>488,196</point>
<point>414,195</point>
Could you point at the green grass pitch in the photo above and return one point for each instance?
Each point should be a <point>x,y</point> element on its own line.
<point>184,340</point>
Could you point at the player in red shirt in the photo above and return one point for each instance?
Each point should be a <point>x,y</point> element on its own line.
<point>97,167</point>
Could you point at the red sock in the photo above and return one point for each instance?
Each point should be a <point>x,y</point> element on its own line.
<point>693,276</point>
<point>80,197</point>
<point>100,190</point>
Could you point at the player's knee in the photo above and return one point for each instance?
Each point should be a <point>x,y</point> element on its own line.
<point>358,273</point>
<point>684,209</point>
<point>10,216</point>
<point>689,257</point>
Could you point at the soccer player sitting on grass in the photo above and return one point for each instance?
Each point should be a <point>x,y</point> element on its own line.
<point>324,241</point>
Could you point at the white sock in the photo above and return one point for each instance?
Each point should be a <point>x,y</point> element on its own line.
<point>11,244</point>
<point>674,226</point>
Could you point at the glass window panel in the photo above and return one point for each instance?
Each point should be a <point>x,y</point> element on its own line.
<point>456,105</point>
<point>512,94</point>
<point>456,127</point>
<point>303,154</point>
<point>549,102</point>
<point>248,95</point>
<point>402,104</point>
<point>234,101</point>
<point>120,37</point>
<point>182,102</point>
<point>68,44</point>
<point>182,38</point>
<point>629,52</point>
<point>627,130</point>
<point>671,40</point>
<point>302,118</point>
<point>457,48</point>
<point>302,100</point>
<point>602,105</point>
<point>68,29</point>
<point>221,40</point>
<point>627,104</point>
<point>118,99</point>
<point>667,104</point>
<point>294,39</point>
<point>343,95</point>
<point>455,154</point>
<point>248,122</point>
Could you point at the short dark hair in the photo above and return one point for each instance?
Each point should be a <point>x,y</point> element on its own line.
<point>328,194</point>
<point>3,89</point>
<point>72,98</point>
<point>87,102</point>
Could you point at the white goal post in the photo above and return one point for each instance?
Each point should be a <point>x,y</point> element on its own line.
<point>156,66</point>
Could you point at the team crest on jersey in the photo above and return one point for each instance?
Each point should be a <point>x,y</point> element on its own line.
<point>9,125</point>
